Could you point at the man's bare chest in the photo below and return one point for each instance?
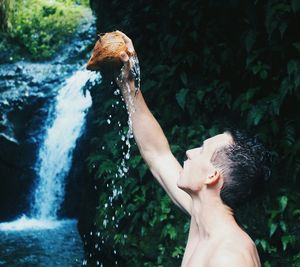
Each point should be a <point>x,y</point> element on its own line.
<point>197,252</point>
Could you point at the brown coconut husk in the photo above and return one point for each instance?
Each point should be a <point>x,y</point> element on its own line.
<point>106,53</point>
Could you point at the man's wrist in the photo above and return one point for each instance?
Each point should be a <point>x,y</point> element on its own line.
<point>128,87</point>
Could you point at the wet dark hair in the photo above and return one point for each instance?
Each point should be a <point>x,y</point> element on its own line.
<point>245,166</point>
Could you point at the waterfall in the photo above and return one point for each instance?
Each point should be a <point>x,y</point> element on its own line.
<point>55,154</point>
<point>63,127</point>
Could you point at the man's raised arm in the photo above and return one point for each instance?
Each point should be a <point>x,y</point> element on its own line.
<point>148,134</point>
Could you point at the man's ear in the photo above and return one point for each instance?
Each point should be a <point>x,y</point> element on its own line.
<point>213,179</point>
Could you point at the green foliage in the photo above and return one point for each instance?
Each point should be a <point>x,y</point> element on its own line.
<point>38,28</point>
<point>5,9</point>
<point>205,66</point>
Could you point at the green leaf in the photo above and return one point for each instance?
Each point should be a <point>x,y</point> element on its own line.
<point>200,94</point>
<point>181,97</point>
<point>178,251</point>
<point>142,169</point>
<point>256,114</point>
<point>273,228</point>
<point>251,93</point>
<point>135,160</point>
<point>297,213</point>
<point>263,244</point>
<point>282,28</point>
<point>283,226</point>
<point>263,74</point>
<point>292,67</point>
<point>170,231</point>
<point>283,200</point>
<point>285,240</point>
<point>183,78</point>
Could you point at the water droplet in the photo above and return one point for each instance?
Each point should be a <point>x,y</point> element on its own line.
<point>117,92</point>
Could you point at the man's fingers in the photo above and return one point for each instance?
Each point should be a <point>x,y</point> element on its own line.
<point>127,41</point>
<point>124,57</point>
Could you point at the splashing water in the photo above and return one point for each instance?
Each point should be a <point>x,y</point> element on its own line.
<point>55,155</point>
<point>123,168</point>
<point>135,71</point>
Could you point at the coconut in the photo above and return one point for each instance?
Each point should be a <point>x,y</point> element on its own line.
<point>106,53</point>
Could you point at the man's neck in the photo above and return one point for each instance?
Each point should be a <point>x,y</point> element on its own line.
<point>213,218</point>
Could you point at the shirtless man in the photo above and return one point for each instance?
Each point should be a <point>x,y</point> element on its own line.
<point>213,179</point>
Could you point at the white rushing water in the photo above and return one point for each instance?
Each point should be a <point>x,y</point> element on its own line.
<point>55,155</point>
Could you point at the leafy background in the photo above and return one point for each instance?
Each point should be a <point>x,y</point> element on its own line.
<point>36,29</point>
<point>206,65</point>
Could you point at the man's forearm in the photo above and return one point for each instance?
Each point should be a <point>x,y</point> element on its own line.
<point>147,132</point>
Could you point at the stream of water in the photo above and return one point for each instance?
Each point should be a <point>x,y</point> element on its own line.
<point>38,238</point>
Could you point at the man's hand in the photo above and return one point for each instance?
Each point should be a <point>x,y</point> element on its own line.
<point>129,78</point>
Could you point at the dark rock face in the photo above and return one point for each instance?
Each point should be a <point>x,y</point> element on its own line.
<point>9,158</point>
<point>23,103</point>
<point>26,92</point>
